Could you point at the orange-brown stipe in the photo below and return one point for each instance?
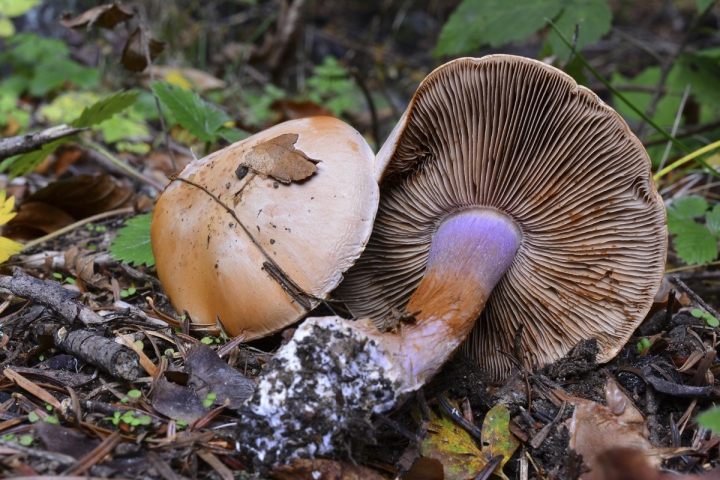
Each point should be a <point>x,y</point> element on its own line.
<point>470,252</point>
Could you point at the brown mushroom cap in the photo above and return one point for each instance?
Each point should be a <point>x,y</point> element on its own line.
<point>307,231</point>
<point>519,136</point>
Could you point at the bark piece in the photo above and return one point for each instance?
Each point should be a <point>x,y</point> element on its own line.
<point>51,295</point>
<point>278,158</point>
<point>33,141</point>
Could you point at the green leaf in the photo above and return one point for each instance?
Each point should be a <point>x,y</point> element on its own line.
<point>132,245</point>
<point>33,417</point>
<point>695,244</point>
<point>493,22</point>
<point>703,5</point>
<point>697,313</point>
<point>497,439</point>
<point>134,394</point>
<point>712,220</point>
<point>51,419</point>
<point>197,116</point>
<point>710,320</point>
<point>7,29</point>
<point>25,440</point>
<point>105,109</point>
<point>52,73</point>
<point>710,419</point>
<point>688,208</point>
<point>233,135</point>
<point>594,18</point>
<point>15,8</point>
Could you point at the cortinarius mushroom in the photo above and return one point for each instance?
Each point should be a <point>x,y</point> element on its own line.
<point>504,183</point>
<point>504,170</point>
<point>258,233</point>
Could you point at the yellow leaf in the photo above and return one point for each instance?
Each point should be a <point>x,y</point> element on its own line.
<point>9,248</point>
<point>6,208</point>
<point>174,77</point>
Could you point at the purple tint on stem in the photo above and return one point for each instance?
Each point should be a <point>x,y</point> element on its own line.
<point>478,242</point>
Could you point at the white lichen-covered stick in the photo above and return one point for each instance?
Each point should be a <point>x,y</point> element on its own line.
<point>503,184</point>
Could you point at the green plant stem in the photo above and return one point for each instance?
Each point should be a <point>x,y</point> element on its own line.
<point>80,223</point>
<point>619,95</point>
<point>122,165</point>
<point>686,159</point>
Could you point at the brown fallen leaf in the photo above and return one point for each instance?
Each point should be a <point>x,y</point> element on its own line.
<point>278,158</point>
<point>596,428</point>
<point>425,469</point>
<point>632,464</point>
<point>103,16</point>
<point>35,219</point>
<point>319,469</point>
<point>200,80</point>
<point>134,57</point>
<point>80,262</point>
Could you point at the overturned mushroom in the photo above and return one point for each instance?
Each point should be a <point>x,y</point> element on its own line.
<point>511,151</point>
<point>256,234</point>
<point>504,183</point>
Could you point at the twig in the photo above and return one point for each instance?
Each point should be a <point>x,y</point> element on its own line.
<point>122,165</point>
<point>678,116</point>
<point>145,42</point>
<point>73,226</point>
<point>371,104</point>
<point>667,66</point>
<point>686,133</point>
<point>694,296</point>
<point>490,467</point>
<point>35,140</point>
<point>471,428</point>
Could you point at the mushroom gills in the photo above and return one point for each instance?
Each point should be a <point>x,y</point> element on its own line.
<point>470,252</point>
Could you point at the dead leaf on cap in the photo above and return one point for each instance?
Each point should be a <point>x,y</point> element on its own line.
<point>104,16</point>
<point>319,469</point>
<point>134,56</point>
<point>278,158</point>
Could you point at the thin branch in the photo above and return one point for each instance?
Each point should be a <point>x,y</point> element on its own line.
<point>122,165</point>
<point>34,141</point>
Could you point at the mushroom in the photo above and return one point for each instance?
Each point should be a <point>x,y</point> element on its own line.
<point>505,185</point>
<point>257,234</point>
<point>504,171</point>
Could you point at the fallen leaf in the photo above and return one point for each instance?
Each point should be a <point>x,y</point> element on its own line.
<point>8,247</point>
<point>35,219</point>
<point>103,16</point>
<point>211,374</point>
<point>177,402</point>
<point>632,464</point>
<point>320,469</point>
<point>453,447</point>
<point>80,262</point>
<point>57,439</point>
<point>596,428</point>
<point>184,77</point>
<point>425,469</point>
<point>134,56</point>
<point>278,158</point>
<point>497,439</point>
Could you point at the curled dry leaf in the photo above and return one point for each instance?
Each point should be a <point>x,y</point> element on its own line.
<point>278,158</point>
<point>596,428</point>
<point>66,201</point>
<point>103,16</point>
<point>176,401</point>
<point>211,374</point>
<point>201,81</point>
<point>80,262</point>
<point>134,56</point>
<point>319,469</point>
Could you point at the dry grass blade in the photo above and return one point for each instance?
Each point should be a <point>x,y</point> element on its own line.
<point>30,387</point>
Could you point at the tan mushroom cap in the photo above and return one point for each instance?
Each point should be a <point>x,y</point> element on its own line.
<point>519,136</point>
<point>313,229</point>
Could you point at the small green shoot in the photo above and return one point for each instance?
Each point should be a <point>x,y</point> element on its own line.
<point>33,417</point>
<point>51,419</point>
<point>209,398</point>
<point>643,344</point>
<point>128,293</point>
<point>709,319</point>
<point>26,440</point>
<point>130,418</point>
<point>8,437</point>
<point>139,344</point>
<point>710,420</point>
<point>134,394</point>
<point>208,340</point>
<point>64,280</point>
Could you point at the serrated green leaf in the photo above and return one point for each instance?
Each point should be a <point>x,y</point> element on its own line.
<point>52,73</point>
<point>594,18</point>
<point>105,109</point>
<point>712,220</point>
<point>197,116</point>
<point>688,207</point>
<point>493,22</point>
<point>132,244</point>
<point>28,162</point>
<point>695,244</point>
<point>710,419</point>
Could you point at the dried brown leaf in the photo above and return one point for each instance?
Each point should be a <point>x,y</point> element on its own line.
<point>278,158</point>
<point>319,469</point>
<point>134,57</point>
<point>103,16</point>
<point>35,219</point>
<point>80,262</point>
